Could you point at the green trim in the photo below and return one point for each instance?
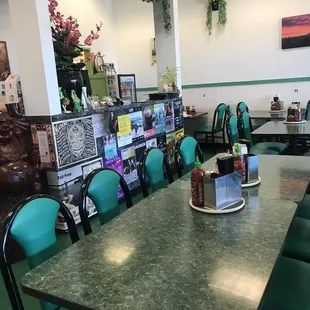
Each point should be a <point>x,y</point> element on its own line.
<point>237,83</point>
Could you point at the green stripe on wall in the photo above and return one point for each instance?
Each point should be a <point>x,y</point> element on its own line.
<point>237,83</point>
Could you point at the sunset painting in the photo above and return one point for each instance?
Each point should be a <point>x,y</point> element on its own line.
<point>296,31</point>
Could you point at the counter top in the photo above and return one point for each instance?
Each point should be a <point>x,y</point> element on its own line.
<point>161,254</point>
<point>283,177</point>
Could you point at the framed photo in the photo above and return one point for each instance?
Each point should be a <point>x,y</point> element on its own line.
<point>91,166</point>
<point>5,69</point>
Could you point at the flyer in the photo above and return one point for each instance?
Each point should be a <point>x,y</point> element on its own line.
<point>170,147</point>
<point>151,143</point>
<point>113,123</point>
<point>178,114</point>
<point>139,149</point>
<point>130,167</point>
<point>124,130</point>
<point>43,144</point>
<point>160,122</point>
<point>110,147</point>
<point>149,121</point>
<point>162,143</point>
<point>179,134</point>
<point>169,116</point>
<point>136,125</point>
<point>115,163</point>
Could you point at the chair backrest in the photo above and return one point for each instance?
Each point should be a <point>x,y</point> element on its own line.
<point>32,225</point>
<point>229,111</point>
<point>241,107</point>
<point>187,149</point>
<point>232,130</point>
<point>101,186</point>
<point>153,162</point>
<point>307,117</point>
<point>219,118</point>
<point>245,127</point>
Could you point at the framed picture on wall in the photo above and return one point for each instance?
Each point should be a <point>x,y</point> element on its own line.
<point>296,31</point>
<point>5,69</point>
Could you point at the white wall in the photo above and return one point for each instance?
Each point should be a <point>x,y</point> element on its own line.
<point>247,48</point>
<point>6,34</point>
<point>134,24</point>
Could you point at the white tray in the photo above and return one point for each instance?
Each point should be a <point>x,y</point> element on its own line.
<point>237,207</point>
<point>294,123</point>
<point>253,183</point>
<point>276,111</point>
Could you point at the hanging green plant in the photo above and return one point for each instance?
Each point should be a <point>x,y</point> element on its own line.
<point>214,5</point>
<point>166,13</point>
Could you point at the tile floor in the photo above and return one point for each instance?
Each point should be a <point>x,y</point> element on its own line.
<point>64,241</point>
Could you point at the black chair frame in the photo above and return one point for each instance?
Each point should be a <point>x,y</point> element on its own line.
<point>142,171</point>
<point>5,266</point>
<point>84,192</point>
<point>238,110</point>
<point>212,134</point>
<point>178,158</point>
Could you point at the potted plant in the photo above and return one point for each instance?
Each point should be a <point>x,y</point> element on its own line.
<point>169,80</point>
<point>66,41</point>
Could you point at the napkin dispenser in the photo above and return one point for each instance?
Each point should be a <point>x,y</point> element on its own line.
<point>252,165</point>
<point>222,191</point>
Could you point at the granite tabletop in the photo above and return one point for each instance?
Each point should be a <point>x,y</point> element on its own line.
<point>267,115</point>
<point>283,177</point>
<point>161,254</point>
<point>276,128</point>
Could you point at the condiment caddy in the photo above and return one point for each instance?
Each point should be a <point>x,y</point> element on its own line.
<point>221,192</point>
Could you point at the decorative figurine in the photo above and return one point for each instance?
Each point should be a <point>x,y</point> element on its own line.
<point>76,101</point>
<point>64,101</point>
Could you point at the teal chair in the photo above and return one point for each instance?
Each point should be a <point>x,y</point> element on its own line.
<point>101,186</point>
<point>32,225</point>
<point>241,107</point>
<point>288,286</point>
<point>218,126</point>
<point>233,135</point>
<point>307,117</point>
<point>153,164</point>
<point>297,241</point>
<point>262,147</point>
<point>187,149</point>
<point>229,111</point>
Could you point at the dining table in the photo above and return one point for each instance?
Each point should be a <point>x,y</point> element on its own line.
<point>268,116</point>
<point>284,130</point>
<point>162,254</point>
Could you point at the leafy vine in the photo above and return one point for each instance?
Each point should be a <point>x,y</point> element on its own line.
<point>212,5</point>
<point>166,13</point>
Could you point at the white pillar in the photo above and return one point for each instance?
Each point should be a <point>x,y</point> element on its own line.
<point>32,34</point>
<point>167,44</point>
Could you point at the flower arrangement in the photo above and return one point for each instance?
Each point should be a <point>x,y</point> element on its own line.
<point>67,37</point>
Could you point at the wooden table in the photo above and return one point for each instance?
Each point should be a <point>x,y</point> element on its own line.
<point>161,254</point>
<point>279,129</point>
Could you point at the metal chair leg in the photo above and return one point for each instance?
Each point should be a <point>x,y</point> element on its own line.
<point>213,143</point>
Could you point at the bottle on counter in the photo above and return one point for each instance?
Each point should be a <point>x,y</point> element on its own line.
<point>197,184</point>
<point>239,162</point>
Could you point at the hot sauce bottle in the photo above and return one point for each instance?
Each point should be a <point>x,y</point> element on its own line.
<point>197,184</point>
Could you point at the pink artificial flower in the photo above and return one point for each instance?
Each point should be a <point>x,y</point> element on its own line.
<point>90,56</point>
<point>95,36</point>
<point>89,40</point>
<point>99,53</point>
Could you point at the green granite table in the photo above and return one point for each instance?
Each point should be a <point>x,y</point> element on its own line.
<point>267,116</point>
<point>279,129</point>
<point>161,254</point>
<point>283,177</point>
